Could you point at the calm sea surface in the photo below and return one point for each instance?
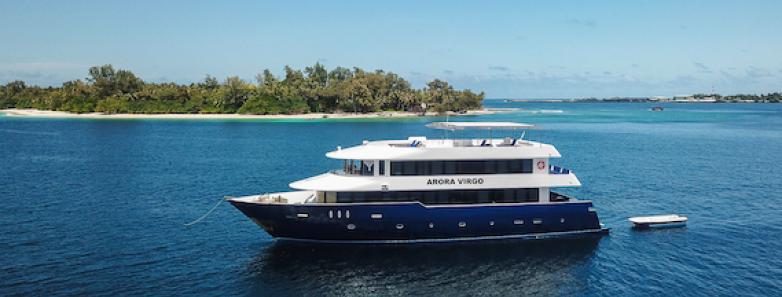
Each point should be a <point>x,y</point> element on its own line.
<point>94,207</point>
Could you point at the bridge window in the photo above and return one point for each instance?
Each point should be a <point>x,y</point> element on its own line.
<point>461,167</point>
<point>359,167</point>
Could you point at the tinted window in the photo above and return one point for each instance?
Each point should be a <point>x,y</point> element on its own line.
<point>396,168</point>
<point>461,167</point>
<point>444,197</point>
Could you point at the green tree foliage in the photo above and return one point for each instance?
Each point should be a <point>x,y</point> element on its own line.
<point>769,98</point>
<point>315,89</point>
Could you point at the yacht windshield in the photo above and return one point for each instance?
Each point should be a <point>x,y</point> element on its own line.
<point>359,167</point>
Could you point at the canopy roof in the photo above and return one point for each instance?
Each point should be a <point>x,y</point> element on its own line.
<point>436,149</point>
<point>479,126</point>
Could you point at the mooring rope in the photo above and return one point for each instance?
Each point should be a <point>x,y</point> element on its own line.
<point>206,214</point>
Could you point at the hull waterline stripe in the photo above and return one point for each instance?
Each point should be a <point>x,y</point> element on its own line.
<point>455,239</point>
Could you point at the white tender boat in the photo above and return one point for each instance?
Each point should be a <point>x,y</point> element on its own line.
<point>669,219</point>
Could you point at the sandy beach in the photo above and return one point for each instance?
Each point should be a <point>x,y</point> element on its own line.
<point>308,116</point>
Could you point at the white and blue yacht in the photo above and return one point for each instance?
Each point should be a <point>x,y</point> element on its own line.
<point>431,190</point>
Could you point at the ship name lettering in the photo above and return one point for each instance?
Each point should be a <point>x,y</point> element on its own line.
<point>441,181</point>
<point>451,181</point>
<point>470,181</point>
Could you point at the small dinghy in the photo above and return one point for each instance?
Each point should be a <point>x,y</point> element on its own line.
<point>660,220</point>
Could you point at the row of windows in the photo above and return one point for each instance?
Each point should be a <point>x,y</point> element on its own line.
<point>439,197</point>
<point>461,167</point>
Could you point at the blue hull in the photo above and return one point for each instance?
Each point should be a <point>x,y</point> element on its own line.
<point>415,222</point>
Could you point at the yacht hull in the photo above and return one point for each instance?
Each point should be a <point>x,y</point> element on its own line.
<point>403,222</point>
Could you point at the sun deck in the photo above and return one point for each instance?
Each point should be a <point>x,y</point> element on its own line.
<point>422,148</point>
<point>449,147</point>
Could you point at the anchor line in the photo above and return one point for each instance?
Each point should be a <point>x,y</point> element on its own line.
<point>206,214</point>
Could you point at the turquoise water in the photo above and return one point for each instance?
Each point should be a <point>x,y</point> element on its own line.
<point>97,207</point>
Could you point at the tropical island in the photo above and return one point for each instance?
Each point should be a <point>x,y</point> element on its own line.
<point>315,91</point>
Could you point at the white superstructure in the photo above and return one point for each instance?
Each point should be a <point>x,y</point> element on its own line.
<point>378,159</point>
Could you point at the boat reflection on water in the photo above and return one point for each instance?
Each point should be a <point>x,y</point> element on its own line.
<point>517,267</point>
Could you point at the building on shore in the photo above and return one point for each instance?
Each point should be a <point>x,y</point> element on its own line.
<point>659,99</point>
<point>694,99</point>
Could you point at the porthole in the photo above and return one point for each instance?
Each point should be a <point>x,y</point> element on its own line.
<point>303,215</point>
<point>339,214</point>
<point>376,216</point>
<point>537,221</point>
<point>347,214</point>
<point>462,224</point>
<point>351,227</point>
<point>518,222</point>
<point>400,226</point>
<point>491,223</point>
<point>562,220</point>
<point>331,214</point>
<point>431,225</point>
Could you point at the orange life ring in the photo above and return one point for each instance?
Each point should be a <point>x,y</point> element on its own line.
<point>541,165</point>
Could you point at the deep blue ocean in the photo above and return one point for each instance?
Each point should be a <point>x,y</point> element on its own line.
<point>97,207</point>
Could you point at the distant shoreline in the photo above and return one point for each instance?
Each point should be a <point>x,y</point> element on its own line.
<point>623,101</point>
<point>772,98</point>
<point>35,113</point>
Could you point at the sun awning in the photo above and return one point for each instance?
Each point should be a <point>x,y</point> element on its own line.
<point>479,126</point>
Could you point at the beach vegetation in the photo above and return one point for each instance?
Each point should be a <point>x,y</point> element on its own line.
<point>315,89</point>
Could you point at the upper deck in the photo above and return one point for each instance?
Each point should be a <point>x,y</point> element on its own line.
<point>449,148</point>
<point>421,148</point>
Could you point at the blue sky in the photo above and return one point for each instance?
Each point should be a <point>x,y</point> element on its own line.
<point>518,49</point>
